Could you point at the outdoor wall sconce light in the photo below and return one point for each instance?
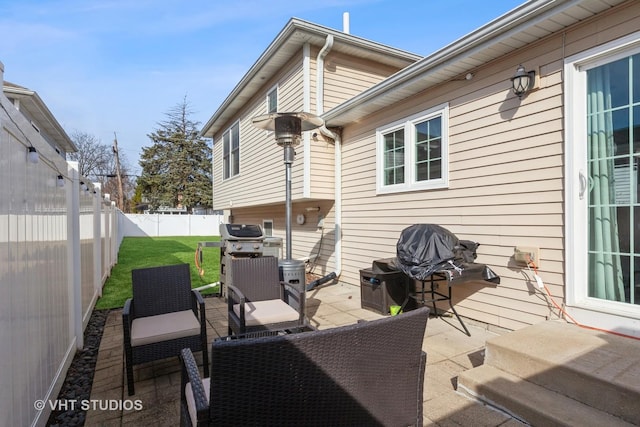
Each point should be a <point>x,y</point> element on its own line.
<point>522,81</point>
<point>60,181</point>
<point>32,155</point>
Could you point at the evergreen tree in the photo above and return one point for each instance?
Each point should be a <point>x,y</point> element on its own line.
<point>176,168</point>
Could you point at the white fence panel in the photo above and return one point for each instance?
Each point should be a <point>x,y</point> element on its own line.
<point>50,268</point>
<point>157,225</point>
<point>57,247</point>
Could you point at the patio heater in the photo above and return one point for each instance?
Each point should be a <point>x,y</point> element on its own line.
<point>288,128</point>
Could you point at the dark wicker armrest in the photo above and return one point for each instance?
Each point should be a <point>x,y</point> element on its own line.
<point>128,314</point>
<point>292,289</point>
<point>235,296</point>
<point>191,375</point>
<point>423,366</point>
<point>298,294</point>
<point>197,304</point>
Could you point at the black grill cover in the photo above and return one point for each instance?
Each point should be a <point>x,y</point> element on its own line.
<point>425,248</point>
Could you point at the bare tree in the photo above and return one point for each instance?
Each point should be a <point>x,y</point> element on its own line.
<point>92,156</point>
<point>97,162</point>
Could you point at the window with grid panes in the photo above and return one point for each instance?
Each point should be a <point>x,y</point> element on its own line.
<point>412,153</point>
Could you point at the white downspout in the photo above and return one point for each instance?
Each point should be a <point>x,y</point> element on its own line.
<point>328,44</point>
<point>337,207</point>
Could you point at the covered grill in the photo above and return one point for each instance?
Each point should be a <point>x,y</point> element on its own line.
<point>424,249</point>
<point>431,252</point>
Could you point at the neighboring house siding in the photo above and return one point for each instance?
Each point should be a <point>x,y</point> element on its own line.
<point>506,177</point>
<point>346,77</point>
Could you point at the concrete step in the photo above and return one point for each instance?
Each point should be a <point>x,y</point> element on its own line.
<point>529,402</point>
<point>597,369</point>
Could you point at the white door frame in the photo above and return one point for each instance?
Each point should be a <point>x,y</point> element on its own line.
<point>609,315</point>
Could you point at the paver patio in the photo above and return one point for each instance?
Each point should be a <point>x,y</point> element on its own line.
<point>157,398</point>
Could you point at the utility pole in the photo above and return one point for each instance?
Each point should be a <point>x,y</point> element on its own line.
<point>118,174</point>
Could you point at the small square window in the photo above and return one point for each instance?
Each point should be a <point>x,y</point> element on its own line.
<point>231,151</point>
<point>272,100</point>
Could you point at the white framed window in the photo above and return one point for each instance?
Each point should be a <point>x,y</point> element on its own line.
<point>272,100</point>
<point>231,151</point>
<point>412,154</point>
<point>267,227</point>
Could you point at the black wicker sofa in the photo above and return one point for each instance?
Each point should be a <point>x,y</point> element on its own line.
<point>366,374</point>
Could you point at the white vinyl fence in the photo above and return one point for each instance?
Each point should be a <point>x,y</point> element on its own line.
<point>156,225</point>
<point>57,247</point>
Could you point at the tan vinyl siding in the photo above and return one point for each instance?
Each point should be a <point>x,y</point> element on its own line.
<point>261,177</point>
<point>308,239</point>
<point>322,168</point>
<point>345,77</point>
<point>506,177</point>
<point>261,160</point>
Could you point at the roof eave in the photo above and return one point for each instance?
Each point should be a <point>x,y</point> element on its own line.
<point>283,39</point>
<point>53,127</point>
<point>418,74</point>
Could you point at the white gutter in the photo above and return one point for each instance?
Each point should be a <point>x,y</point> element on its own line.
<point>504,27</point>
<point>320,74</point>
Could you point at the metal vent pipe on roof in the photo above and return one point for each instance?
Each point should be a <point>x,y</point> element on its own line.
<point>345,23</point>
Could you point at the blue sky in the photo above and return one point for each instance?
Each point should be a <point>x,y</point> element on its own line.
<point>118,66</point>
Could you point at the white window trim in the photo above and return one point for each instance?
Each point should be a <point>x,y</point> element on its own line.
<point>264,221</point>
<point>228,130</point>
<point>609,315</point>
<point>408,124</point>
<point>266,98</point>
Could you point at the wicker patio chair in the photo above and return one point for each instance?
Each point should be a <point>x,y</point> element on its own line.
<point>164,316</point>
<point>365,374</point>
<point>256,297</point>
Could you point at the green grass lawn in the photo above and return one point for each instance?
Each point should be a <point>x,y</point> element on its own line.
<point>139,252</point>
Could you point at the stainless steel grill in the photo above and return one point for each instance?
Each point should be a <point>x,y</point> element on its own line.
<point>237,240</point>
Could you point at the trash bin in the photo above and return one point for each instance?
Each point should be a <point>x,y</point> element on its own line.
<point>381,289</point>
<point>272,246</point>
<point>293,274</point>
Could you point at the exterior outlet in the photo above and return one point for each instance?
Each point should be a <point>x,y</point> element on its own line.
<point>524,254</point>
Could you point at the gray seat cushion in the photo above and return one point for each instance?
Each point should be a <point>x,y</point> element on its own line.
<point>164,327</point>
<point>267,312</point>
